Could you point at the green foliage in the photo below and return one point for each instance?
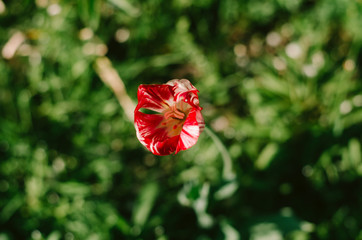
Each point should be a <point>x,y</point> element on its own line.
<point>280,83</point>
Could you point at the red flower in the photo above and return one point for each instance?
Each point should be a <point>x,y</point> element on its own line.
<point>175,122</point>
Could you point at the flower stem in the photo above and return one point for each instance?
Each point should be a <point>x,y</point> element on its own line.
<point>227,173</point>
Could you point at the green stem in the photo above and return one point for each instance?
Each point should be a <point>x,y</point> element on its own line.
<point>227,173</point>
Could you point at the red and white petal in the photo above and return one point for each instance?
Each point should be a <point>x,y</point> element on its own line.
<point>146,125</point>
<point>190,131</point>
<point>184,91</point>
<point>181,85</point>
<point>200,120</point>
<point>155,97</point>
<point>163,148</point>
<point>152,136</point>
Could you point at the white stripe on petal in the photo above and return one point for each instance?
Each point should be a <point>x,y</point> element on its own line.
<point>189,135</point>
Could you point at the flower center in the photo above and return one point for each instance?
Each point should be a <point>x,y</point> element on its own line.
<point>174,118</point>
<point>174,113</point>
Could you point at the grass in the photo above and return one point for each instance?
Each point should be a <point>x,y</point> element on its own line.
<point>280,84</point>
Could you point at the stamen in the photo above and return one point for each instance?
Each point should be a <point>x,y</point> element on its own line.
<point>168,114</point>
<point>173,112</point>
<point>178,114</point>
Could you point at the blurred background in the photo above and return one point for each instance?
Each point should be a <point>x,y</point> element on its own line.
<point>280,84</point>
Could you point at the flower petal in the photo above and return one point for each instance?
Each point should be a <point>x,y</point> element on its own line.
<point>190,131</point>
<point>164,148</point>
<point>200,120</point>
<point>152,136</point>
<point>155,97</point>
<point>185,91</point>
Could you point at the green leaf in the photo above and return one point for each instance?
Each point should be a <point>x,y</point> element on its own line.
<point>145,202</point>
<point>73,189</point>
<point>126,7</point>
<point>266,156</point>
